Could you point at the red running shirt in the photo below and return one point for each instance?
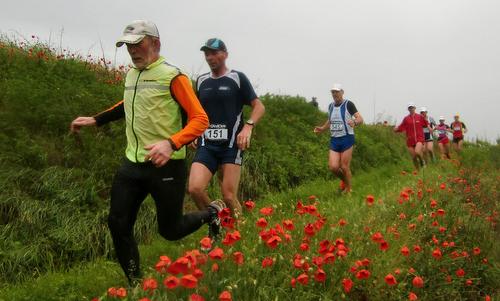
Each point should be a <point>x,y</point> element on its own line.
<point>413,126</point>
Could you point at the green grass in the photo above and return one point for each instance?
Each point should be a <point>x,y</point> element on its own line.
<point>92,279</point>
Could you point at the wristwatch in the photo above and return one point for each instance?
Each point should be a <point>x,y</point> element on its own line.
<point>250,122</point>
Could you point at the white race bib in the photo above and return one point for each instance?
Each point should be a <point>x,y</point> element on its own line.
<point>336,126</point>
<point>216,134</point>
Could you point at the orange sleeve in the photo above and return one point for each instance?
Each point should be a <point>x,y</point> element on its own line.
<point>197,118</point>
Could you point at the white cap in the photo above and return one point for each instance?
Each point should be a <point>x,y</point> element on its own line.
<point>411,104</point>
<point>423,109</point>
<point>136,31</point>
<point>441,118</point>
<point>336,87</point>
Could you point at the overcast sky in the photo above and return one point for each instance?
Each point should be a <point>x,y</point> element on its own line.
<point>442,54</point>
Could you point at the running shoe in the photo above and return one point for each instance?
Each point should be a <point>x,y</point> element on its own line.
<point>214,225</point>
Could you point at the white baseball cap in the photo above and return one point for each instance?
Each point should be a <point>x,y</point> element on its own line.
<point>423,109</point>
<point>441,118</point>
<point>336,87</point>
<point>136,31</point>
<point>411,104</point>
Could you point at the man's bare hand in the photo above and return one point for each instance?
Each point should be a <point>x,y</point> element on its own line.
<point>159,152</point>
<point>194,144</point>
<point>318,129</point>
<point>244,137</point>
<point>81,121</point>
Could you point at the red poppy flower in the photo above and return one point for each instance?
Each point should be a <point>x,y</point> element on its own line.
<point>312,197</point>
<point>206,243</point>
<point>226,212</point>
<point>377,237</point>
<point>231,238</point>
<point>238,258</point>
<point>412,226</point>
<point>390,280</point>
<point>468,282</point>
<point>266,211</point>
<point>433,203</point>
<point>216,253</point>
<point>198,273</point>
<point>420,217</point>
<point>402,216</point>
<point>320,275</point>
<point>370,199</point>
<point>142,299</point>
<point>311,209</point>
<point>171,282</point>
<point>225,296</point>
<point>196,297</point>
<point>437,253</point>
<point>412,297</point>
<point>261,223</point>
<point>418,282</point>
<point>215,267</point>
<point>304,246</point>
<point>329,258</point>
<point>293,282</point>
<point>181,265</point>
<point>249,204</point>
<point>411,271</point>
<point>363,274</point>
<point>347,284</point>
<point>189,281</point>
<point>342,222</point>
<point>273,241</point>
<point>318,261</point>
<point>267,262</point>
<point>460,273</point>
<point>228,222</point>
<point>288,224</point>
<point>442,186</point>
<point>112,292</point>
<point>303,279</point>
<point>384,245</point>
<point>309,230</point>
<point>149,284</point>
<point>476,251</point>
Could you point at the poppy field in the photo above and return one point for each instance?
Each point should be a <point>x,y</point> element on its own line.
<point>433,239</point>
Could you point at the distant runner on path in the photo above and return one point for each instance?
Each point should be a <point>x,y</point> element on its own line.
<point>413,125</point>
<point>155,92</point>
<point>443,129</point>
<point>343,117</point>
<point>458,128</point>
<point>222,92</point>
<point>428,134</point>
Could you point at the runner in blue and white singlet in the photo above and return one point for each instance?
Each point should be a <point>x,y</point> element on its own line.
<point>342,118</point>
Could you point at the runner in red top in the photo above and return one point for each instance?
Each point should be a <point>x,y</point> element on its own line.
<point>413,125</point>
<point>458,128</point>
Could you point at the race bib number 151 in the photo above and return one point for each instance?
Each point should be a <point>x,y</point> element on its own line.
<point>216,134</point>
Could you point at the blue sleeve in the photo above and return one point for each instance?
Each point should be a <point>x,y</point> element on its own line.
<point>246,90</point>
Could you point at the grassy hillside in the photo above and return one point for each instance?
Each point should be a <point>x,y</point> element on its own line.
<point>54,186</point>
